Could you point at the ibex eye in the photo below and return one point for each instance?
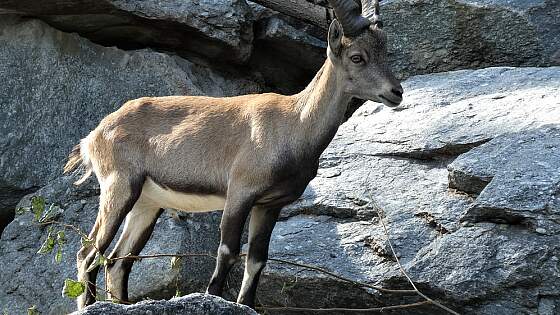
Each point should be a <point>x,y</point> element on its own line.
<point>356,59</point>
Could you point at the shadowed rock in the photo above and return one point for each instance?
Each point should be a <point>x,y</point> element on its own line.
<point>213,29</point>
<point>440,35</point>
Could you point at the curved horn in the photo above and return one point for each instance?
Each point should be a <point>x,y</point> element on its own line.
<point>348,14</point>
<point>370,10</point>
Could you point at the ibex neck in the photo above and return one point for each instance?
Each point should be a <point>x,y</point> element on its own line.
<point>322,105</point>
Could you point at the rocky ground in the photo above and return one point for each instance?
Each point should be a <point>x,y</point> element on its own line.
<point>465,170</point>
<point>195,303</point>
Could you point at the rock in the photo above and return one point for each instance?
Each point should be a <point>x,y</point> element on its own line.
<point>457,111</point>
<point>6,211</point>
<point>37,280</point>
<point>202,304</point>
<point>425,36</point>
<point>400,159</point>
<point>58,86</point>
<point>428,36</point>
<point>214,29</point>
<point>517,179</point>
<point>287,52</point>
<point>397,158</point>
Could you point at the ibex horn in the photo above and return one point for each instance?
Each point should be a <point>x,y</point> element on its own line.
<point>349,15</point>
<point>370,10</point>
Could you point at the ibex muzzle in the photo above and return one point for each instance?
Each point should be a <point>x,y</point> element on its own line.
<point>248,155</point>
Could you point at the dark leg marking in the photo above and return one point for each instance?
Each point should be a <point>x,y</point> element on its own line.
<point>233,219</point>
<point>261,225</point>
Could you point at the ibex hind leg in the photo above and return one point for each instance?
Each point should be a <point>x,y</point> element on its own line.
<point>119,193</point>
<point>138,228</point>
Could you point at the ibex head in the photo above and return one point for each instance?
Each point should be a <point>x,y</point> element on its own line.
<point>357,49</point>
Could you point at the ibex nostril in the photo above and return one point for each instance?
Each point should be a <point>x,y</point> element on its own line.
<point>397,92</point>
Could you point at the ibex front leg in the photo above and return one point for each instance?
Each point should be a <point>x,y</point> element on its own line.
<point>237,207</point>
<point>260,229</point>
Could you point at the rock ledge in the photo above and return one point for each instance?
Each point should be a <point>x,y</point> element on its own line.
<point>196,303</point>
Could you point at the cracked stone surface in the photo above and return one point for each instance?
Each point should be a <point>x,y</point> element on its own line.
<point>516,177</point>
<point>195,303</point>
<point>448,113</point>
<point>44,117</point>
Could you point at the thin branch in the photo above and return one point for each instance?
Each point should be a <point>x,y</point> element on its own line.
<point>310,267</point>
<point>138,257</point>
<point>73,227</point>
<point>356,283</point>
<point>338,309</point>
<point>381,215</point>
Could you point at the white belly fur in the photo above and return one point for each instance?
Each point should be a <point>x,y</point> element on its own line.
<point>159,197</point>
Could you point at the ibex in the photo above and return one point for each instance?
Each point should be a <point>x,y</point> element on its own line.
<point>250,154</point>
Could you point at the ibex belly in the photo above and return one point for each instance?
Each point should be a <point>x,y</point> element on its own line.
<point>167,198</point>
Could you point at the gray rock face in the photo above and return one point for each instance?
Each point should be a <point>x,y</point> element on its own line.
<point>190,304</point>
<point>519,176</point>
<point>456,111</point>
<point>58,86</point>
<point>455,246</point>
<point>214,29</point>
<point>428,36</point>
<point>425,36</point>
<point>287,52</point>
<point>400,159</point>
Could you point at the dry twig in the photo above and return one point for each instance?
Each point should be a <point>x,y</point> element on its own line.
<point>340,309</point>
<point>381,216</point>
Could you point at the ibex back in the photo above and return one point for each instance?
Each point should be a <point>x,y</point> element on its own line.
<point>249,154</point>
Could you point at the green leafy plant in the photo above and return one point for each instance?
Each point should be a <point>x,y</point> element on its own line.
<point>73,289</point>
<point>32,310</point>
<point>37,207</point>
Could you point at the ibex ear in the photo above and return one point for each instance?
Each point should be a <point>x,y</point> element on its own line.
<point>335,37</point>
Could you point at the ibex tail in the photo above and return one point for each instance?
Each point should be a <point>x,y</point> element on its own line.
<point>76,159</point>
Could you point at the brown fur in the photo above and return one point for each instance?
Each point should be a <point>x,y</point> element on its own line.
<point>256,151</point>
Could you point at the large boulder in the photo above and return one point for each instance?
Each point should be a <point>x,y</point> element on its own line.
<point>496,251</point>
<point>219,30</point>
<point>58,86</point>
<point>199,304</point>
<point>458,244</point>
<point>427,36</point>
